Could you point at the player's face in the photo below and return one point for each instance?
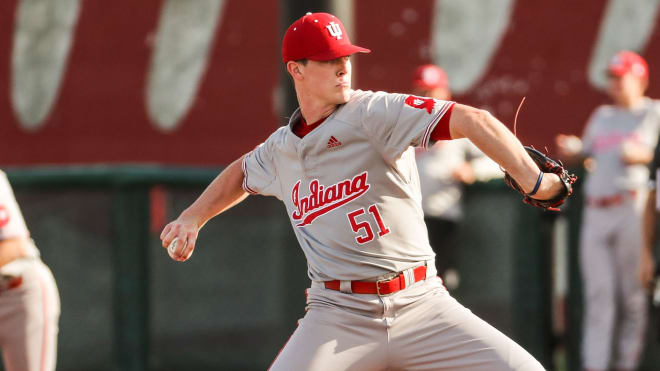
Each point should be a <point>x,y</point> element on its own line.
<point>626,88</point>
<point>329,81</point>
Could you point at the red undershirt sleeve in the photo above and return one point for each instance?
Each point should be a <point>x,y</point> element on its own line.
<point>441,130</point>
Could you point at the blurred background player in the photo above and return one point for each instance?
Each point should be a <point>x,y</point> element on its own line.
<point>29,300</point>
<point>618,141</point>
<point>444,170</point>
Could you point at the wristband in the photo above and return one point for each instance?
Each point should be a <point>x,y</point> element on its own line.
<point>536,187</point>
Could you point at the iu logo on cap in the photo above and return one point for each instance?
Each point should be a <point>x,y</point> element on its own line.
<point>334,30</point>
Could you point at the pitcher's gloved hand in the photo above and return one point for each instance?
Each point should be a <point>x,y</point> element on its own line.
<point>547,165</point>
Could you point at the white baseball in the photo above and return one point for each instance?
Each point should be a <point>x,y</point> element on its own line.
<point>177,253</point>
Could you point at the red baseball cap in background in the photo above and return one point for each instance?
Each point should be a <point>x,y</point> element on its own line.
<point>318,37</point>
<point>430,76</point>
<point>627,61</point>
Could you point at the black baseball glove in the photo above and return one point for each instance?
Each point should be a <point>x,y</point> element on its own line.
<point>547,165</point>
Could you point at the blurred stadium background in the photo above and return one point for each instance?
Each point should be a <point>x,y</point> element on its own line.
<point>115,115</point>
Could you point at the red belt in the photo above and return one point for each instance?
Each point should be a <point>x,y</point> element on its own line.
<point>381,287</point>
<point>610,201</point>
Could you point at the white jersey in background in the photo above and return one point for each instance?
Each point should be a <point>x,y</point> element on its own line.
<point>11,220</point>
<point>12,224</point>
<point>607,130</point>
<point>442,193</point>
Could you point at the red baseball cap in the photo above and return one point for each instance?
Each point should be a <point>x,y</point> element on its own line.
<point>318,37</point>
<point>430,76</point>
<point>627,61</point>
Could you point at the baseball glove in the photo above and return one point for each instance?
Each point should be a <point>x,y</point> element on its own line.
<point>547,165</point>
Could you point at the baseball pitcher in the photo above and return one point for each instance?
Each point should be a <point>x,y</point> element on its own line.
<point>344,167</point>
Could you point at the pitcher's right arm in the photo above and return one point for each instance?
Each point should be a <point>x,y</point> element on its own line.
<point>224,192</point>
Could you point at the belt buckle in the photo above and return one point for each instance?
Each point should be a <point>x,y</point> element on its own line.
<point>378,286</point>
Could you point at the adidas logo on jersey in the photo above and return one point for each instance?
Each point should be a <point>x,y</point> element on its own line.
<point>333,142</point>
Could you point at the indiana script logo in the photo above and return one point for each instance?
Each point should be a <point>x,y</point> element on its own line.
<point>323,199</point>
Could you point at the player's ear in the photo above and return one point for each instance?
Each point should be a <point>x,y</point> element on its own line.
<point>295,69</point>
<point>644,84</point>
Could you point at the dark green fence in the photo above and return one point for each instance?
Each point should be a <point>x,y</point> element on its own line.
<point>127,306</point>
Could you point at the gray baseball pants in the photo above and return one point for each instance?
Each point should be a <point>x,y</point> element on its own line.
<point>614,301</point>
<point>29,317</point>
<point>419,328</point>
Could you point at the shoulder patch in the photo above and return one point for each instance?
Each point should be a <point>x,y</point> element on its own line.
<point>421,103</point>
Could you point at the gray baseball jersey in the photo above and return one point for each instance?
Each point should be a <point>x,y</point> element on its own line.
<point>350,186</point>
<point>607,130</point>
